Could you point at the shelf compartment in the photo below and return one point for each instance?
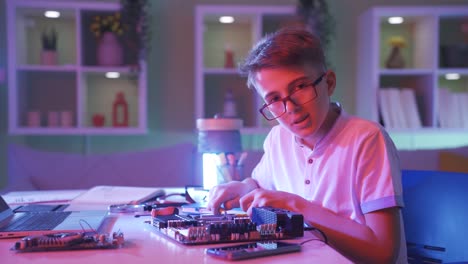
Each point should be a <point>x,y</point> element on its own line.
<point>422,87</point>
<point>218,37</point>
<point>46,92</point>
<point>245,98</point>
<point>453,102</point>
<point>90,42</point>
<point>453,42</point>
<point>31,23</point>
<point>419,36</point>
<point>101,93</point>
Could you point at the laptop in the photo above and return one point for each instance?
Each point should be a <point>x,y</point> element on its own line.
<point>21,224</point>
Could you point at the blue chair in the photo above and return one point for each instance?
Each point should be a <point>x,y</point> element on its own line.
<point>436,216</point>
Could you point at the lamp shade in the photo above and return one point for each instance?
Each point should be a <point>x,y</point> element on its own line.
<point>219,135</point>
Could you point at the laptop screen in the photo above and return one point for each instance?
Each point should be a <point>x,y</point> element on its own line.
<point>3,205</point>
<point>5,210</point>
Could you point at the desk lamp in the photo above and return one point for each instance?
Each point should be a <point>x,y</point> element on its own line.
<point>219,141</point>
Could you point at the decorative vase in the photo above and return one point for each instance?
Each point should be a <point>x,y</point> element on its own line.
<point>228,57</point>
<point>49,57</point>
<point>99,120</point>
<point>120,111</point>
<point>109,50</point>
<point>395,60</point>
<point>34,119</point>
<point>53,119</point>
<point>66,118</point>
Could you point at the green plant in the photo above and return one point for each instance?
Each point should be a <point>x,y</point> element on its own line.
<point>109,23</point>
<point>316,17</point>
<point>136,16</point>
<point>49,40</point>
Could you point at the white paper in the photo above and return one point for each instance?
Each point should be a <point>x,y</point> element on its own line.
<point>117,195</point>
<point>59,196</point>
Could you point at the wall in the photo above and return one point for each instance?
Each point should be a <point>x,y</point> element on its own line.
<point>171,75</point>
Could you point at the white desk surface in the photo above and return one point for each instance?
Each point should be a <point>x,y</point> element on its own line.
<point>143,244</point>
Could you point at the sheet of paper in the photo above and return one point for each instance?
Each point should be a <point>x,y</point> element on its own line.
<point>117,195</point>
<point>49,196</point>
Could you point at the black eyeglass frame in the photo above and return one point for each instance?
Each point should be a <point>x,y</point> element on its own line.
<point>286,98</point>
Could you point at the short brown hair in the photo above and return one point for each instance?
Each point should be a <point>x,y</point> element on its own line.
<point>288,47</point>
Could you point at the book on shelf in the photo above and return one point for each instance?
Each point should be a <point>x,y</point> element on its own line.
<point>410,108</point>
<point>444,105</point>
<point>457,110</point>
<point>464,108</point>
<point>453,109</point>
<point>398,108</point>
<point>393,108</point>
<point>384,109</point>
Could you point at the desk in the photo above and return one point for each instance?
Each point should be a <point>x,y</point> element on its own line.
<point>143,244</point>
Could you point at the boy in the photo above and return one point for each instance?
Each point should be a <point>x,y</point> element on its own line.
<point>339,171</point>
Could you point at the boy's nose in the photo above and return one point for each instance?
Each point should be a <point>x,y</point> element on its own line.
<point>290,105</point>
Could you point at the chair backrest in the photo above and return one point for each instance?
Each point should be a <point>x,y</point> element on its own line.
<point>436,216</point>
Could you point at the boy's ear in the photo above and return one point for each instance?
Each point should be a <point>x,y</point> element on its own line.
<point>331,82</point>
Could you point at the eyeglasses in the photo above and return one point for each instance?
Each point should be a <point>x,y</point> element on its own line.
<point>302,94</point>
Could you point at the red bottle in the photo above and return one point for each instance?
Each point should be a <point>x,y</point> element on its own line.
<point>120,111</point>
<point>228,57</point>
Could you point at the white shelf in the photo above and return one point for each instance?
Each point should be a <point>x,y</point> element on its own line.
<point>403,72</point>
<point>460,71</point>
<point>45,68</point>
<point>221,71</point>
<point>429,138</point>
<point>75,85</point>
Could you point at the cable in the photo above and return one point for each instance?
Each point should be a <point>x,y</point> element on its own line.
<point>324,237</point>
<point>308,240</point>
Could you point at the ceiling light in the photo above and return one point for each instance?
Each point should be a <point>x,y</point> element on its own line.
<point>452,76</point>
<point>226,19</point>
<point>395,20</point>
<point>52,14</point>
<point>112,75</point>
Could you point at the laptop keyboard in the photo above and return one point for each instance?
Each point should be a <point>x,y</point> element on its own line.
<point>37,221</point>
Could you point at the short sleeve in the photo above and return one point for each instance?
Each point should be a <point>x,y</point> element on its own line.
<point>379,174</point>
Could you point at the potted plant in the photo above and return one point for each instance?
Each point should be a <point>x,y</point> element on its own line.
<point>136,17</point>
<point>49,47</point>
<point>107,29</point>
<point>316,18</point>
<point>395,59</point>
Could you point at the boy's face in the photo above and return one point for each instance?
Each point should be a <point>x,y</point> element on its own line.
<point>305,119</point>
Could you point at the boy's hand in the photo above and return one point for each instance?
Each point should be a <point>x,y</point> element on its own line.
<point>275,199</point>
<point>228,194</point>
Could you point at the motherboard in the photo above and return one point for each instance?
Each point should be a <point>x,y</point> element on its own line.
<point>266,223</point>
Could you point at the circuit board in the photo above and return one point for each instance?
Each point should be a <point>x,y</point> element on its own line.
<point>69,241</point>
<point>266,224</point>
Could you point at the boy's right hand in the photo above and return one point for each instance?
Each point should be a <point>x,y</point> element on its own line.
<point>228,194</point>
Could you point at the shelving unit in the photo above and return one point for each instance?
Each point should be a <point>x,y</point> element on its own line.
<point>212,78</point>
<point>423,30</point>
<point>75,87</point>
<point>430,34</point>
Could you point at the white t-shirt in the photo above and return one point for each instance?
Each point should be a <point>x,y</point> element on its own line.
<point>352,170</point>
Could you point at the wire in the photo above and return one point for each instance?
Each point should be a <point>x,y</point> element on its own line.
<point>82,221</point>
<point>308,240</point>
<point>324,237</point>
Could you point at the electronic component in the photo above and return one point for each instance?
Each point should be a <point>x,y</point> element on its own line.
<point>69,241</point>
<point>211,229</point>
<point>291,224</point>
<point>252,250</point>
